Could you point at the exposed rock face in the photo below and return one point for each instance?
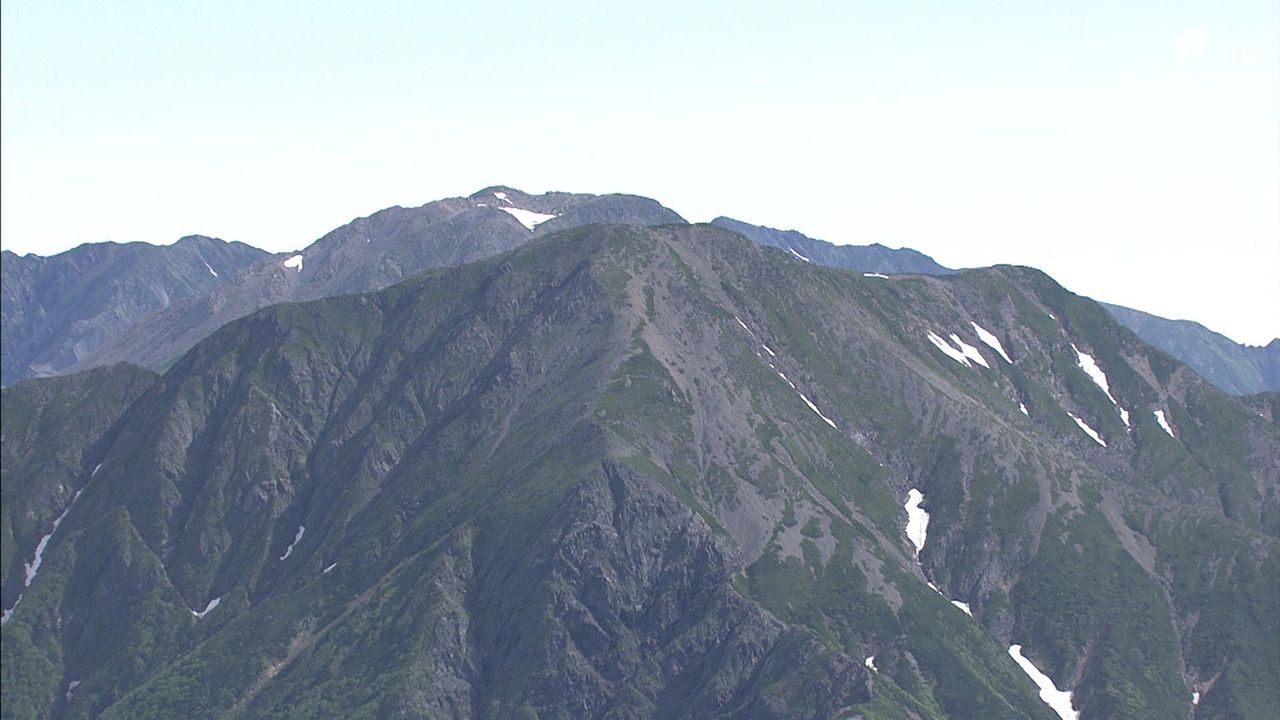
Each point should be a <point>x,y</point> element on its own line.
<point>636,472</point>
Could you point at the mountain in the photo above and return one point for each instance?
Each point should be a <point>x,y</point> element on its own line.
<point>630,472</point>
<point>372,253</point>
<point>126,317</point>
<point>1238,369</point>
<point>58,310</point>
<point>862,258</point>
<point>48,428</point>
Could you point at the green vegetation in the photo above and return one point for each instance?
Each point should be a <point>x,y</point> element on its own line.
<point>565,482</point>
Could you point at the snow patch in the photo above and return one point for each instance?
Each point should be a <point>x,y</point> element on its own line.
<point>527,218</point>
<point>1195,697</point>
<point>1023,408</point>
<point>501,196</point>
<point>1090,368</point>
<point>33,567</point>
<point>814,408</point>
<point>71,688</point>
<point>793,252</point>
<point>991,341</point>
<point>949,351</point>
<point>1089,431</point>
<point>876,275</point>
<point>96,468</point>
<point>1099,378</point>
<point>211,270</point>
<point>1164,422</point>
<point>963,606</point>
<point>1058,700</point>
<point>294,262</point>
<point>969,351</point>
<point>917,520</point>
<point>326,570</point>
<point>207,608</point>
<point>870,662</point>
<point>792,385</point>
<point>298,536</point>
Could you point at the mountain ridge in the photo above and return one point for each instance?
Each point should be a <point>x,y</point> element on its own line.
<point>57,310</point>
<point>620,443</point>
<point>1238,368</point>
<point>452,231</point>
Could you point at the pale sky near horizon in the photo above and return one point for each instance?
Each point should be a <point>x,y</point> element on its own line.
<point>1131,150</point>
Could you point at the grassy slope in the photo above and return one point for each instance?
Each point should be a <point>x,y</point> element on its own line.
<point>444,441</point>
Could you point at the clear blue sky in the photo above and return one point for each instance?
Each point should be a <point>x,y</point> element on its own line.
<point>1131,149</point>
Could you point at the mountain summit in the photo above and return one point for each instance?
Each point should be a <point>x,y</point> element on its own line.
<point>625,471</point>
<point>103,303</point>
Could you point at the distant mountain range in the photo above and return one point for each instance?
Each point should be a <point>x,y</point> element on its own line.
<point>1238,369</point>
<point>104,303</point>
<point>59,311</point>
<point>862,258</point>
<point>625,471</point>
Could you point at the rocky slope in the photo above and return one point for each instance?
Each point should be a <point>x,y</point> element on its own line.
<point>629,472</point>
<point>57,311</point>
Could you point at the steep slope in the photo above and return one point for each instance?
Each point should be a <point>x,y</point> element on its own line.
<point>375,252</point>
<point>48,429</point>
<point>58,310</point>
<point>1237,369</point>
<point>629,472</point>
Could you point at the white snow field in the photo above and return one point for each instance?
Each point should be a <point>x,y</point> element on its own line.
<point>991,341</point>
<point>917,520</point>
<point>954,354</point>
<point>1099,378</point>
<point>963,352</point>
<point>207,608</point>
<point>814,408</point>
<point>1058,700</point>
<point>297,536</point>
<point>1088,430</point>
<point>527,218</point>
